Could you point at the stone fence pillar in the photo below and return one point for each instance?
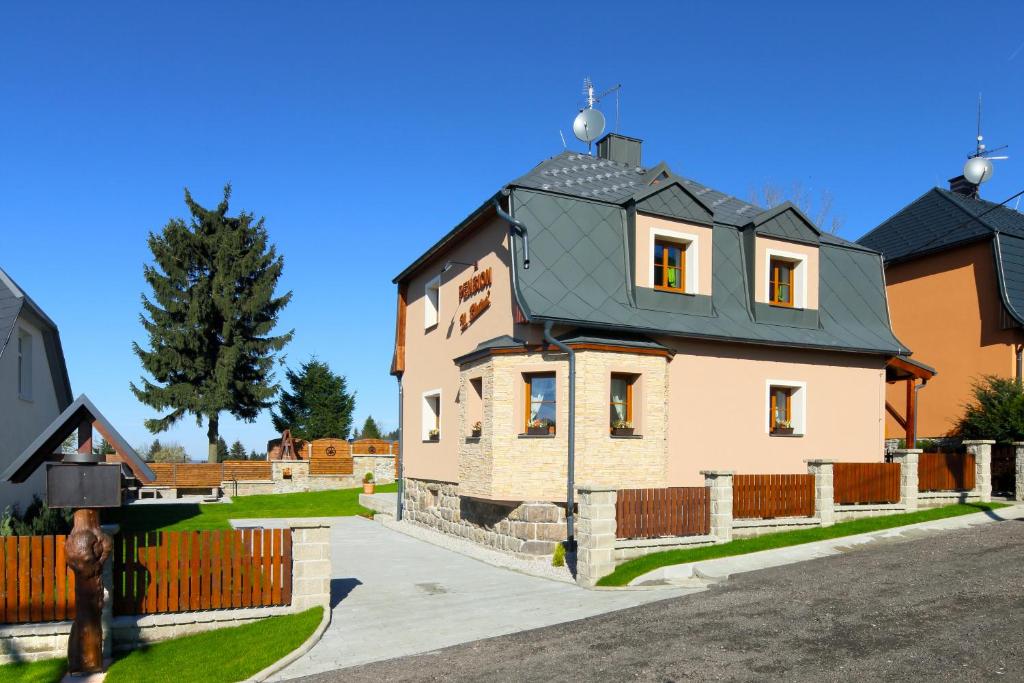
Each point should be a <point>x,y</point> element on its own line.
<point>824,493</point>
<point>595,533</point>
<point>1018,447</point>
<point>719,485</point>
<point>907,458</point>
<point>982,450</point>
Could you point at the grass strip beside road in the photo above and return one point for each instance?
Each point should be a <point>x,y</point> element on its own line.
<point>194,516</point>
<point>43,671</point>
<point>627,571</point>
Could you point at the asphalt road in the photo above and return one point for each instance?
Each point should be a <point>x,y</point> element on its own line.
<point>945,607</point>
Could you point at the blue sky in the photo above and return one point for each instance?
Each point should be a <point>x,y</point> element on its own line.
<point>363,132</point>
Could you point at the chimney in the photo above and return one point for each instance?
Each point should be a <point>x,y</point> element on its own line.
<point>964,187</point>
<point>621,149</point>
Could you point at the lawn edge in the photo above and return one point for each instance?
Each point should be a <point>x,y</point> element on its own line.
<point>301,650</point>
<point>999,505</point>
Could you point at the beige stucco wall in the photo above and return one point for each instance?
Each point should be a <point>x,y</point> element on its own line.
<point>21,421</point>
<point>646,226</point>
<point>430,353</point>
<point>718,409</point>
<point>947,309</point>
<point>807,272</point>
<point>504,465</point>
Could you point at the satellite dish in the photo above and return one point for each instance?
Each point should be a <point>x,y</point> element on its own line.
<point>978,170</point>
<point>589,125</point>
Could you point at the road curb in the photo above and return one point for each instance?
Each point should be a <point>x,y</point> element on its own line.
<point>301,650</point>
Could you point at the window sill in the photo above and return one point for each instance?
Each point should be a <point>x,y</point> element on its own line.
<point>26,399</point>
<point>536,436</point>
<point>785,436</point>
<point>631,436</point>
<point>669,290</point>
<point>472,439</point>
<point>430,328</point>
<point>786,307</point>
<point>431,440</point>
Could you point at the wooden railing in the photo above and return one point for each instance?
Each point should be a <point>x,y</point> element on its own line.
<point>945,472</point>
<point>337,465</point>
<point>866,482</point>
<point>35,582</point>
<point>246,470</point>
<point>649,513</point>
<point>772,495</point>
<point>184,571</point>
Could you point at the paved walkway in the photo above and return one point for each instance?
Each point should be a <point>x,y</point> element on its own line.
<point>396,595</point>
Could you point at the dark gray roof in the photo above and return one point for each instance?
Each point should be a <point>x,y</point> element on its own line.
<point>485,347</point>
<point>14,302</point>
<point>1009,253</point>
<point>580,273</point>
<point>937,220</point>
<point>46,444</point>
<point>635,341</point>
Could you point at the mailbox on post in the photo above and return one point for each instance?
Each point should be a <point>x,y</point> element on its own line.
<point>85,482</point>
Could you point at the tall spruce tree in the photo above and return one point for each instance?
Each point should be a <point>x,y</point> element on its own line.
<point>317,406</point>
<point>237,451</point>
<point>370,429</point>
<point>210,319</point>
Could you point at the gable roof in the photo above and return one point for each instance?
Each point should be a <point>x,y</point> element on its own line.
<point>788,222</point>
<point>940,219</point>
<point>48,442</point>
<point>14,303</point>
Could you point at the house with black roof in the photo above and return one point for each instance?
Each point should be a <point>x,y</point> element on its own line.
<point>34,386</point>
<point>669,328</point>
<point>954,268</point>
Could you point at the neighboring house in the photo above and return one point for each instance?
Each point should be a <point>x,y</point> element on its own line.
<point>716,334</point>
<point>34,387</point>
<point>954,269</point>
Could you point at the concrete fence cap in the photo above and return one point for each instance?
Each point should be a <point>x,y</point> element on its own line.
<point>596,488</point>
<point>820,461</point>
<point>718,473</point>
<point>1017,443</point>
<point>903,451</point>
<point>979,442</point>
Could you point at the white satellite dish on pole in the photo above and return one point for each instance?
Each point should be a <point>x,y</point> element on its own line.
<point>589,124</point>
<point>979,166</point>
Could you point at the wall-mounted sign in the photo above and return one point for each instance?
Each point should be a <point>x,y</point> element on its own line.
<point>471,287</point>
<point>475,284</point>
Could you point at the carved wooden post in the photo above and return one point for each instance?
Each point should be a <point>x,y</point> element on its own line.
<point>87,548</point>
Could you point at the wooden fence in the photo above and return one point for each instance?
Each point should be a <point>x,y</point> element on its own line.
<point>945,472</point>
<point>677,511</point>
<point>184,571</point>
<point>866,482</point>
<point>35,582</point>
<point>188,475</point>
<point>772,495</point>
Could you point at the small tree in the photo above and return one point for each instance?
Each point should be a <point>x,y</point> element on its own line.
<point>237,451</point>
<point>997,411</point>
<point>222,449</point>
<point>318,404</point>
<point>253,455</point>
<point>370,429</point>
<point>101,447</point>
<point>169,453</point>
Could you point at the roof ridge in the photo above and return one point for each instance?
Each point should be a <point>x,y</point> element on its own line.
<point>945,194</point>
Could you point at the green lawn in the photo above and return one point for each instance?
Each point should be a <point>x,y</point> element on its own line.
<point>45,671</point>
<point>627,571</point>
<point>190,516</point>
<point>221,656</point>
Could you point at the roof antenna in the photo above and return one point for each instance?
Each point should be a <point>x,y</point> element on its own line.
<point>589,124</point>
<point>562,135</point>
<point>978,168</point>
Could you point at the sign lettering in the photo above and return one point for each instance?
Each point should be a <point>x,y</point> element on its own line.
<point>475,284</point>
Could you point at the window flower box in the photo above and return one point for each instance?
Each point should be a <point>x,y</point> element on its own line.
<point>783,431</point>
<point>433,435</point>
<point>540,428</point>
<point>622,431</point>
<point>478,430</point>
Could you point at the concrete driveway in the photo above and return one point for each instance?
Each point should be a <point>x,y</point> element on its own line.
<point>396,595</point>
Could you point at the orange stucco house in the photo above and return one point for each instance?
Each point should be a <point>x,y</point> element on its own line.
<point>601,321</point>
<point>954,269</point>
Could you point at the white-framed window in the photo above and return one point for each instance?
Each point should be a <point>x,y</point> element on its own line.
<point>785,407</point>
<point>24,365</point>
<point>786,278</point>
<point>432,303</point>
<point>431,423</point>
<point>675,262</point>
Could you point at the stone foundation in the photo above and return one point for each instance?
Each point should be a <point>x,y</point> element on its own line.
<point>529,528</point>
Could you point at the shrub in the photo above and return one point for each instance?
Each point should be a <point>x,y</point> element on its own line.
<point>997,411</point>
<point>169,453</point>
<point>37,520</point>
<point>558,559</point>
<point>368,478</point>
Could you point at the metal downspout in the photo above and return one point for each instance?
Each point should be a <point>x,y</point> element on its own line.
<point>570,483</point>
<point>1020,364</point>
<point>401,450</point>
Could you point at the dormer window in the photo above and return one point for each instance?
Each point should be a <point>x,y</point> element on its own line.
<point>670,265</point>
<point>780,283</point>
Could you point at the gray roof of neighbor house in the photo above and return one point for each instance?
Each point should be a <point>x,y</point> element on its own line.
<point>14,302</point>
<point>577,208</point>
<point>940,219</point>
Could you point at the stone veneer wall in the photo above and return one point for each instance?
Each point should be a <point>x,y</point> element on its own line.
<point>491,467</point>
<point>528,528</point>
<point>311,586</point>
<point>382,466</point>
